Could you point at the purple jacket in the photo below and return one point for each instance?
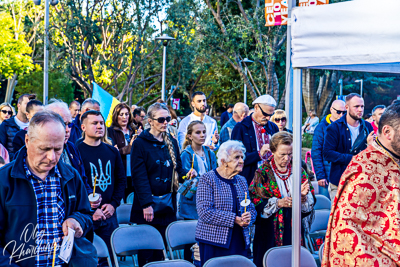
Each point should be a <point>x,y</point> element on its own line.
<point>214,207</point>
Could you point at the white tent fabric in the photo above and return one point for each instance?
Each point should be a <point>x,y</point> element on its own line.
<point>360,35</point>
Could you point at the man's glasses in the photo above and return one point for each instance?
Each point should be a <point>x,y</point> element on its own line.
<point>163,119</point>
<point>69,124</point>
<point>339,111</point>
<point>283,119</point>
<point>6,112</point>
<point>264,113</point>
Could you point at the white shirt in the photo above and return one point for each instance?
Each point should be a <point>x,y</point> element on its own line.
<point>202,165</point>
<point>258,147</point>
<point>354,132</point>
<point>21,125</point>
<point>210,123</point>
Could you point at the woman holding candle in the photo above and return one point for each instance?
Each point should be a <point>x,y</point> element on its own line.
<point>271,193</point>
<point>122,133</point>
<point>156,172</point>
<point>223,226</point>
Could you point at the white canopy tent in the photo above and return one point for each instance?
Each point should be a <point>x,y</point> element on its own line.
<point>359,35</point>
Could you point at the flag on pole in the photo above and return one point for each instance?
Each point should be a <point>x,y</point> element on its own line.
<point>107,102</point>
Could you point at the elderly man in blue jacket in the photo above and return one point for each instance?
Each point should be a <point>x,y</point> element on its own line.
<point>345,138</point>
<point>321,166</point>
<point>255,132</point>
<point>41,199</point>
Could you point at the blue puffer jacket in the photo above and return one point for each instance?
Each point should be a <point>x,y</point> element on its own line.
<point>187,206</point>
<point>337,146</point>
<point>321,166</point>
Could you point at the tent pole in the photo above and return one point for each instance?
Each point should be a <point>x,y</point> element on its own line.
<point>296,182</point>
<point>289,70</point>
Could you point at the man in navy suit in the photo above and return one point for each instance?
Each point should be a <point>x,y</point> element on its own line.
<point>255,132</point>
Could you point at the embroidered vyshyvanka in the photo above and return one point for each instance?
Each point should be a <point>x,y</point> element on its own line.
<point>364,224</point>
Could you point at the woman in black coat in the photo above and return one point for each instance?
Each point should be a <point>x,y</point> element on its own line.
<point>156,171</point>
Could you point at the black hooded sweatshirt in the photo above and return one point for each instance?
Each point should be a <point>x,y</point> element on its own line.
<point>152,168</point>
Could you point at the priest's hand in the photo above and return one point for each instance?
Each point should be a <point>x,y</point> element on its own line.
<point>74,225</point>
<point>370,138</point>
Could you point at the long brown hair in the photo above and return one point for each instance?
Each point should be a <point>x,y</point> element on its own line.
<point>190,131</point>
<point>280,138</point>
<point>115,115</point>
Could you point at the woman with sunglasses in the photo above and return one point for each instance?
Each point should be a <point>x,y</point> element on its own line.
<point>156,173</point>
<point>280,120</point>
<point>6,112</point>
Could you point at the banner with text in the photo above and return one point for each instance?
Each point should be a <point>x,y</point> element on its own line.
<point>276,11</point>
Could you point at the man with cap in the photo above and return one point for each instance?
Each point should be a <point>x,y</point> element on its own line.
<point>255,132</point>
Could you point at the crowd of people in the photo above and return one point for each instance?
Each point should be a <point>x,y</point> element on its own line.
<point>65,169</point>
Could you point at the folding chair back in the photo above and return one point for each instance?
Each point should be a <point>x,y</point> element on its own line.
<point>124,214</point>
<point>180,233</point>
<point>323,203</point>
<point>229,261</point>
<point>282,257</point>
<point>101,247</point>
<point>127,240</point>
<point>171,263</point>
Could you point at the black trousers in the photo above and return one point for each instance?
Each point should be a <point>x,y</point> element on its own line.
<point>104,230</point>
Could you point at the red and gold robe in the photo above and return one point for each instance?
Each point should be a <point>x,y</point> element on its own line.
<point>364,224</point>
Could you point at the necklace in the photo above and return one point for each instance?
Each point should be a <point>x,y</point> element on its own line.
<point>199,154</point>
<point>278,173</point>
<point>387,154</point>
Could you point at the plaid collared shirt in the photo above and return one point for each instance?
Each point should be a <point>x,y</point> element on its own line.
<point>50,216</point>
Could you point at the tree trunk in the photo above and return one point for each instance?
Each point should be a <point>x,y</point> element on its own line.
<point>327,93</point>
<point>309,92</point>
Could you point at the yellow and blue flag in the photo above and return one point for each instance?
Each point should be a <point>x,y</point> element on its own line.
<point>107,102</point>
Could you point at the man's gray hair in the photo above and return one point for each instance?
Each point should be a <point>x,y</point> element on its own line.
<point>227,149</point>
<point>240,108</point>
<point>43,117</point>
<point>89,102</point>
<point>56,105</point>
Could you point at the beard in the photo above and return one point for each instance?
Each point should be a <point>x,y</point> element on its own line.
<point>396,143</point>
<point>201,110</point>
<point>355,116</point>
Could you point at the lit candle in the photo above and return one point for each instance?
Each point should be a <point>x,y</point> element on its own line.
<point>94,187</point>
<point>54,253</point>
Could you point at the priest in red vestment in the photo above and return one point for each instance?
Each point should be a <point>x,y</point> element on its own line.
<point>364,225</point>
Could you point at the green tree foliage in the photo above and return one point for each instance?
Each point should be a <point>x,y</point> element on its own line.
<point>60,86</point>
<point>14,50</point>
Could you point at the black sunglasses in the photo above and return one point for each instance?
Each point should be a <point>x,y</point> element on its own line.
<point>283,119</point>
<point>7,112</point>
<point>69,124</point>
<point>339,111</point>
<point>264,113</point>
<point>163,119</point>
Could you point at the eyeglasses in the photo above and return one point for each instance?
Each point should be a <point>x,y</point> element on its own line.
<point>69,124</point>
<point>6,112</point>
<point>283,119</point>
<point>264,113</point>
<point>163,119</point>
<point>339,111</point>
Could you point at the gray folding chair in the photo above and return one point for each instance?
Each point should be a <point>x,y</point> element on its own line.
<point>282,257</point>
<point>171,263</point>
<point>127,240</point>
<point>323,203</point>
<point>101,247</point>
<point>179,234</point>
<point>124,214</point>
<point>321,252</point>
<point>317,230</point>
<point>229,261</point>
<point>316,187</point>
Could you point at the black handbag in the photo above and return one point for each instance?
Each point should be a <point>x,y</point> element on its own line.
<point>163,204</point>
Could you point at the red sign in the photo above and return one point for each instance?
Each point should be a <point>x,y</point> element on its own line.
<point>276,11</point>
